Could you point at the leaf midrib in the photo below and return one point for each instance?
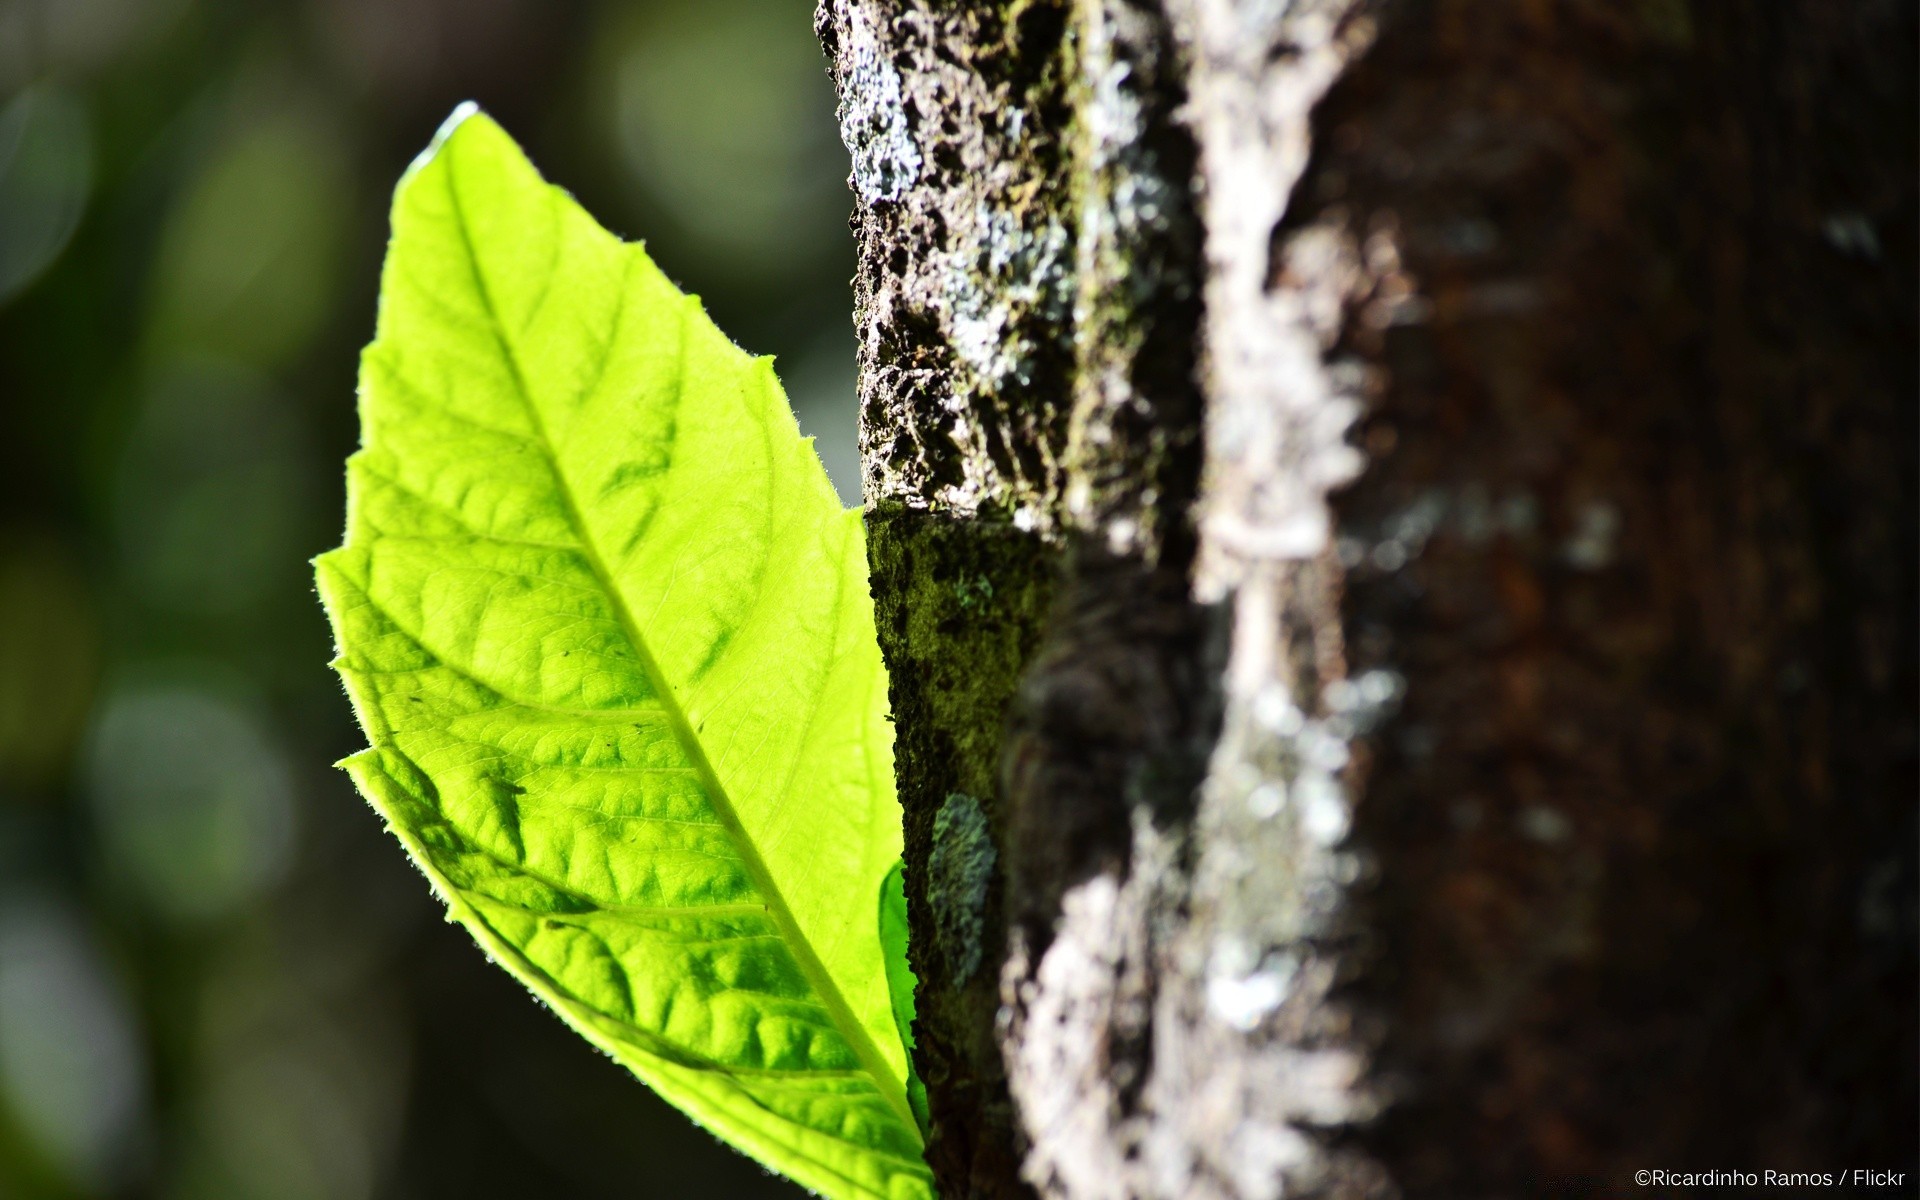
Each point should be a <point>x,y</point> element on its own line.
<point>797,944</point>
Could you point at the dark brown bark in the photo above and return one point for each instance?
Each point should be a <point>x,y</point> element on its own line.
<point>1394,534</point>
<point>1645,833</point>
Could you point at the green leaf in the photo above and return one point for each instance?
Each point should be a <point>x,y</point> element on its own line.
<point>893,943</point>
<point>608,631</point>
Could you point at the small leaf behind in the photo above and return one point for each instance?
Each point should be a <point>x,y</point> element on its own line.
<point>893,943</point>
<point>608,631</point>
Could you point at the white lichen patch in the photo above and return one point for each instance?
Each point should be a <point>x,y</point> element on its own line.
<point>873,116</point>
<point>1325,815</point>
<point>998,273</point>
<point>1266,800</point>
<point>1241,989</point>
<point>1138,200</point>
<point>1281,409</point>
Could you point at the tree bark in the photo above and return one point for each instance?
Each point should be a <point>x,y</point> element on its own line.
<point>1392,524</point>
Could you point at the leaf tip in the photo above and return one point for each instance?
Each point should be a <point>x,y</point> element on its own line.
<point>459,116</point>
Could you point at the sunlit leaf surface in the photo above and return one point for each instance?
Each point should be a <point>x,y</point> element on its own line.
<point>607,629</point>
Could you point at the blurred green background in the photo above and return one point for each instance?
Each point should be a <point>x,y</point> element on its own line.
<point>218,977</point>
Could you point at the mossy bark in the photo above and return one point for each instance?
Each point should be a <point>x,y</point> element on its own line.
<point>1392,526</point>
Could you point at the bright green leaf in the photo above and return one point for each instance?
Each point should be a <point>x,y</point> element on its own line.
<point>893,944</point>
<point>608,631</point>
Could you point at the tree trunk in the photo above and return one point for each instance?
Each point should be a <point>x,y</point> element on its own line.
<point>1393,531</point>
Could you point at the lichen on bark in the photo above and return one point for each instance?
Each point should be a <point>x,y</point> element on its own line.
<point>1400,579</point>
<point>962,305</point>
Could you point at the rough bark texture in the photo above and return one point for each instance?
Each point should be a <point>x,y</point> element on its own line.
<point>956,119</point>
<point>1393,531</point>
